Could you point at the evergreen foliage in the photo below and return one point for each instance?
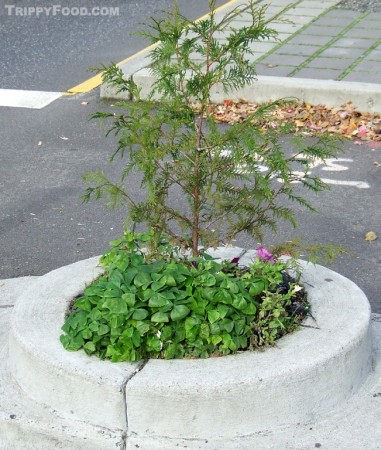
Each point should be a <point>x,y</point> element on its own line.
<point>234,179</point>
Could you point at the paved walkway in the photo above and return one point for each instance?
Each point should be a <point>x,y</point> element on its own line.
<point>323,54</point>
<point>321,42</point>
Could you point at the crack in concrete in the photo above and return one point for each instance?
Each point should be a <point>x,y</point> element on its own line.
<point>123,387</point>
<point>6,306</point>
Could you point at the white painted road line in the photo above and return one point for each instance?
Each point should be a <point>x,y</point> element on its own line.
<point>27,99</point>
<point>356,184</point>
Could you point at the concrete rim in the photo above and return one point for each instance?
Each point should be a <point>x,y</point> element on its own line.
<point>365,96</point>
<point>254,385</point>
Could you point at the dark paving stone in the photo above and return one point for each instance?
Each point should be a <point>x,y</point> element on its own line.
<point>374,55</point>
<point>285,60</point>
<point>301,50</point>
<point>360,32</point>
<point>342,52</point>
<point>354,42</point>
<point>330,63</point>
<point>340,13</point>
<point>278,71</point>
<point>317,30</point>
<point>368,22</point>
<point>319,74</point>
<point>367,65</point>
<point>309,40</point>
<point>334,21</point>
<point>364,77</point>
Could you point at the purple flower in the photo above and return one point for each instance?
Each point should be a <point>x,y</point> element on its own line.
<point>265,255</point>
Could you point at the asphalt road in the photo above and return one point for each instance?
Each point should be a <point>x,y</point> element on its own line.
<point>53,53</point>
<point>44,153</point>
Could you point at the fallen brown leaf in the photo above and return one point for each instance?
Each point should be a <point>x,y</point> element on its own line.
<point>370,236</point>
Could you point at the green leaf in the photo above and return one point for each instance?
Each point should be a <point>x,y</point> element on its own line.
<point>215,328</point>
<point>170,351</point>
<point>169,279</point>
<point>112,293</point>
<point>77,321</point>
<point>198,305</point>
<point>239,326</point>
<point>140,314</point>
<point>93,290</point>
<point>157,285</point>
<point>250,309</point>
<point>159,317</point>
<point>153,344</point>
<point>142,327</point>
<point>256,288</point>
<point>223,310</point>
<point>142,279</point>
<point>191,327</point>
<point>136,339</point>
<point>204,331</point>
<point>72,343</point>
<point>103,329</point>
<point>166,332</point>
<point>116,320</point>
<point>115,305</point>
<point>208,294</point>
<point>233,287</point>
<point>223,296</point>
<point>129,275</point>
<point>94,326</point>
<point>216,339</point>
<point>128,332</point>
<point>84,304</point>
<point>213,316</point>
<point>239,302</point>
<point>87,333</point>
<point>89,347</point>
<point>227,325</point>
<point>242,341</point>
<point>207,279</point>
<point>129,298</point>
<point>116,278</point>
<point>179,312</point>
<point>157,301</point>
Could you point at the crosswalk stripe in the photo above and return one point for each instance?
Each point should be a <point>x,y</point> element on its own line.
<point>27,99</point>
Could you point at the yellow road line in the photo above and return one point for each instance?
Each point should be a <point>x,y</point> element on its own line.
<point>96,81</point>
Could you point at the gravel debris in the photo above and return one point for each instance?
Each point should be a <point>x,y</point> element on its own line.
<point>361,5</point>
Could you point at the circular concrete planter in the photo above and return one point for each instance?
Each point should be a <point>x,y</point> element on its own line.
<point>211,403</point>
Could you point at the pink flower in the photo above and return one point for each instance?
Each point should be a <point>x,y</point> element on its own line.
<point>265,255</point>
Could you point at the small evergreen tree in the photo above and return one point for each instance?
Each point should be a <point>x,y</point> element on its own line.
<point>173,140</point>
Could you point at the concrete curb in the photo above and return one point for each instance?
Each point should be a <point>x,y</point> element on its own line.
<point>308,374</point>
<point>365,96</point>
<point>12,288</point>
<point>76,386</point>
<point>129,68</point>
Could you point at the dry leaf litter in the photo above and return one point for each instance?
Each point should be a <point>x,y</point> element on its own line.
<point>346,120</point>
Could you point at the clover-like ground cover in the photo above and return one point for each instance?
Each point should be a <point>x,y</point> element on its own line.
<point>171,306</point>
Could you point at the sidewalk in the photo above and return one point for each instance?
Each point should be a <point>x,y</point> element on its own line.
<point>323,55</point>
